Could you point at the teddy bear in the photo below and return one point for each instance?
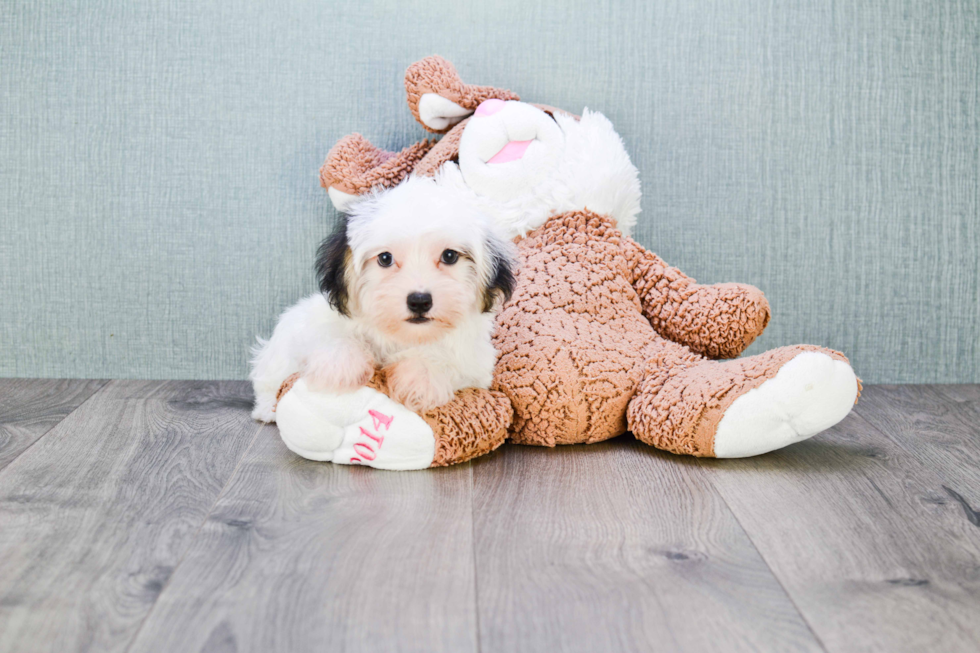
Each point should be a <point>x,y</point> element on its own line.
<point>600,337</point>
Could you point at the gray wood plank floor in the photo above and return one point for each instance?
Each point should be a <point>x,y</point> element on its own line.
<point>616,547</point>
<point>96,515</point>
<point>29,408</point>
<point>156,516</point>
<point>303,556</point>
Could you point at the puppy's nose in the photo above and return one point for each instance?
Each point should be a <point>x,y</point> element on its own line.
<point>420,302</point>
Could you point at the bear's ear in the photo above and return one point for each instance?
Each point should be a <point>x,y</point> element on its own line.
<point>439,99</point>
<point>354,166</point>
<point>333,259</point>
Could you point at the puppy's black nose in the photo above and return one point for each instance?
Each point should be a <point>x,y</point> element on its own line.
<point>420,302</point>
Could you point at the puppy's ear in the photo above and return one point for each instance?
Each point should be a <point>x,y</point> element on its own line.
<point>500,280</point>
<point>332,260</point>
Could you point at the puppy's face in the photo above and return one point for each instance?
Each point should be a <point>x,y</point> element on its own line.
<point>412,262</point>
<point>414,290</point>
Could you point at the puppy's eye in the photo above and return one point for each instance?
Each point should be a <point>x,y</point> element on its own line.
<point>385,259</point>
<point>450,256</point>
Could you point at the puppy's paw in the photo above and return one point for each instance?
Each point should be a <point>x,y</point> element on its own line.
<point>415,387</point>
<point>264,409</point>
<point>263,414</point>
<point>338,369</point>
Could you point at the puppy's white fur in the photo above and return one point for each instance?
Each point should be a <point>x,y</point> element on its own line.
<point>415,222</point>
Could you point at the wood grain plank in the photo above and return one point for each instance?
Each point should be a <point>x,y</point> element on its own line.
<point>97,514</point>
<point>938,424</point>
<point>304,556</point>
<point>29,408</point>
<point>618,547</point>
<point>862,535</point>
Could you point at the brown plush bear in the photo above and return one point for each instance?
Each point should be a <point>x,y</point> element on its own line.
<point>601,336</point>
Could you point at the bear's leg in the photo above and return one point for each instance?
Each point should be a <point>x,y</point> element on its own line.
<point>742,407</point>
<point>474,423</point>
<point>366,427</point>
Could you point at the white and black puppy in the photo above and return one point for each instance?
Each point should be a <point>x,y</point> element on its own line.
<point>410,283</point>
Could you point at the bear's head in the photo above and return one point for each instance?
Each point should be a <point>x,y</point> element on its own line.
<point>522,163</point>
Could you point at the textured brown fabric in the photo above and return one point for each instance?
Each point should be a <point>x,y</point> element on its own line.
<point>474,423</point>
<point>571,339</point>
<point>682,400</point>
<point>447,149</point>
<point>719,321</point>
<point>436,75</point>
<point>354,166</point>
<point>586,330</point>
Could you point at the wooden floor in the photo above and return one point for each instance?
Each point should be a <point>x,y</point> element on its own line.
<point>156,516</point>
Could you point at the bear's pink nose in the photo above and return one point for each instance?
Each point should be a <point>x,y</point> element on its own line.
<point>490,107</point>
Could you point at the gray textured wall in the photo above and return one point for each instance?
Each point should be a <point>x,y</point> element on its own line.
<point>158,162</point>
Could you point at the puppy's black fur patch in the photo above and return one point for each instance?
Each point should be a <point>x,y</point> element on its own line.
<point>502,280</point>
<point>331,268</point>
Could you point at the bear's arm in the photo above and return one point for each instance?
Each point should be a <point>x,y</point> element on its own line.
<point>718,321</point>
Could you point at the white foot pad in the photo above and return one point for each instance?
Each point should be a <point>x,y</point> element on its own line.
<point>364,427</point>
<point>809,394</point>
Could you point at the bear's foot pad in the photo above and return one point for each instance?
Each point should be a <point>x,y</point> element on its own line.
<point>809,394</point>
<point>364,427</point>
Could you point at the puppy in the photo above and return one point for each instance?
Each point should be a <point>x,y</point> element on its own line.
<point>409,283</point>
